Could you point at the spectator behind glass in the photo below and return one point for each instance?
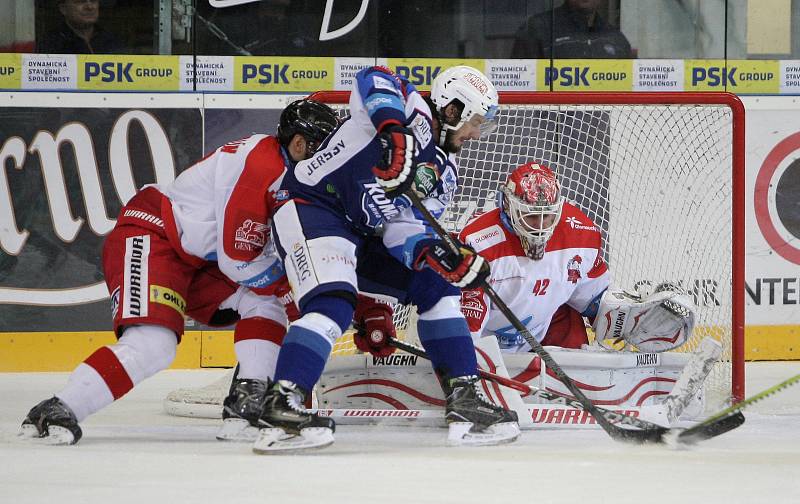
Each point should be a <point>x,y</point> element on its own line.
<point>78,32</point>
<point>266,27</point>
<point>578,31</point>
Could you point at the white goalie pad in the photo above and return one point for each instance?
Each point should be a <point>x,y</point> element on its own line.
<point>657,323</point>
<point>402,389</point>
<point>199,402</point>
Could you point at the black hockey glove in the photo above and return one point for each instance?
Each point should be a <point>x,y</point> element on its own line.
<point>466,270</point>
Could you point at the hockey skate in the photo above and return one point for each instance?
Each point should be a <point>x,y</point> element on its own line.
<point>52,422</point>
<point>472,419</point>
<point>286,426</point>
<point>242,409</point>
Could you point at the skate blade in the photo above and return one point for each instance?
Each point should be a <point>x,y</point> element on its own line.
<point>276,441</point>
<point>57,436</point>
<point>459,434</point>
<point>238,430</point>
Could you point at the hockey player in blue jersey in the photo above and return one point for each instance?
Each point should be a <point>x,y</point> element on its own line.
<point>348,201</point>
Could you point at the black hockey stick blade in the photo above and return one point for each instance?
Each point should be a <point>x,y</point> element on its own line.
<point>731,417</point>
<point>704,431</point>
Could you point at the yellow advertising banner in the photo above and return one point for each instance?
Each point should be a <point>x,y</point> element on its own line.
<point>735,76</point>
<point>128,73</point>
<point>282,74</point>
<point>10,71</point>
<point>586,75</point>
<point>704,75</point>
<point>421,71</point>
<point>305,75</point>
<point>754,76</point>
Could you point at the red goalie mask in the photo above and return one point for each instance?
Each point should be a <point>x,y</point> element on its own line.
<point>532,201</point>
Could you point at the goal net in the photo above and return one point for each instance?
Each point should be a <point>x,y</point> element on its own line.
<point>661,174</point>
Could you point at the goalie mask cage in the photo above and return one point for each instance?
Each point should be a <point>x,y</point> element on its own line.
<point>661,175</point>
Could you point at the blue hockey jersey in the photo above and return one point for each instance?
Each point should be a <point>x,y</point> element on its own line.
<point>339,175</point>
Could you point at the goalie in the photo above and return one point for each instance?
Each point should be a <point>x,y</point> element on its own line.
<point>547,266</point>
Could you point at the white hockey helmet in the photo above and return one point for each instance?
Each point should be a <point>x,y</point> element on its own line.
<point>532,202</point>
<point>473,90</point>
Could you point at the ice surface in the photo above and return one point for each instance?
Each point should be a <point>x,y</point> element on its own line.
<point>132,452</point>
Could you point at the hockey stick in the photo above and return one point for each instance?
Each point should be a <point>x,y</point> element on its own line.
<point>731,415</point>
<point>527,390</point>
<point>651,433</point>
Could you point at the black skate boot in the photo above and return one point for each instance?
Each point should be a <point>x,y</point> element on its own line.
<point>472,419</point>
<point>52,421</point>
<point>287,426</point>
<point>242,409</point>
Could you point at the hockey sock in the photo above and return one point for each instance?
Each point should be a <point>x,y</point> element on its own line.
<point>112,371</point>
<point>445,335</point>
<point>306,349</point>
<point>257,341</point>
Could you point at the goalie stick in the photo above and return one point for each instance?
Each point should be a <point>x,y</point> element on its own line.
<point>729,416</point>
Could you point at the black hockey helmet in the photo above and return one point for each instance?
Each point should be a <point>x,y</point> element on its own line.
<point>312,119</point>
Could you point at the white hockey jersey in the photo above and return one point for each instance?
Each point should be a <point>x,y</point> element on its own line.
<point>223,206</point>
<point>571,272</point>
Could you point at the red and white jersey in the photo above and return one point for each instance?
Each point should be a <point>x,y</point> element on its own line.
<point>223,206</point>
<point>571,272</point>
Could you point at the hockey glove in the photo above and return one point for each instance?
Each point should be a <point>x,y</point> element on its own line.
<point>659,322</point>
<point>373,323</point>
<point>467,269</point>
<point>395,169</point>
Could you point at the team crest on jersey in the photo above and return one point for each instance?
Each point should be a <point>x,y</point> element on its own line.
<point>251,235</point>
<point>472,305</point>
<point>574,269</point>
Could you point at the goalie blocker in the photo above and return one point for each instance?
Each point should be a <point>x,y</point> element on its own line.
<point>656,323</point>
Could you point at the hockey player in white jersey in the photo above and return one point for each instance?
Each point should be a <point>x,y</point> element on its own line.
<point>200,246</point>
<point>547,265</point>
<point>349,197</point>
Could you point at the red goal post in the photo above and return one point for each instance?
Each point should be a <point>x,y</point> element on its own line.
<point>662,175</point>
